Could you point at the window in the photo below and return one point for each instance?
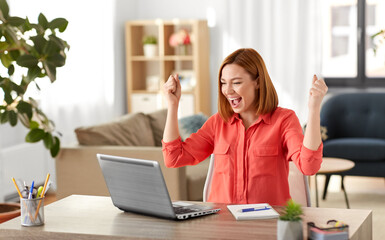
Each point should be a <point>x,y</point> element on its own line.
<point>348,58</point>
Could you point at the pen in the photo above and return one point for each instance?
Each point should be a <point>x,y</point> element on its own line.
<point>255,209</point>
<point>30,192</point>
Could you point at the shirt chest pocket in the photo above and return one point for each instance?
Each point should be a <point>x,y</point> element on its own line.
<point>222,158</point>
<point>263,161</point>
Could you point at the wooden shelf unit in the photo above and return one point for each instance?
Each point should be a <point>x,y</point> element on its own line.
<point>146,75</point>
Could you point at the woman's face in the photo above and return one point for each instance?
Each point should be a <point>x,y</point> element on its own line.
<point>239,88</point>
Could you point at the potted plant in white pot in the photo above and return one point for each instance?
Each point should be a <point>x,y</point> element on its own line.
<point>289,225</point>
<point>28,51</point>
<point>150,47</point>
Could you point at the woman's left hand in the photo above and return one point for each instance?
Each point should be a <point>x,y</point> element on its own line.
<point>317,92</point>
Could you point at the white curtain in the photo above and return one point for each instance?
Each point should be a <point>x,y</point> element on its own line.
<point>83,93</point>
<point>287,34</point>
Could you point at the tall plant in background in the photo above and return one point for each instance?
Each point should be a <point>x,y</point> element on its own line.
<point>29,51</point>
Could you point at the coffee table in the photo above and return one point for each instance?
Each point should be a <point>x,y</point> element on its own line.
<point>334,165</point>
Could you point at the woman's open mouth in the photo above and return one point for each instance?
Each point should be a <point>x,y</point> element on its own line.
<point>234,102</point>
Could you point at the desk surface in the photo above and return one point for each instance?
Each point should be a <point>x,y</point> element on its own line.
<point>92,217</point>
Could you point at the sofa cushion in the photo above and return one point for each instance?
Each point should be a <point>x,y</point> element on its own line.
<point>129,130</point>
<point>196,177</point>
<point>356,149</point>
<point>191,124</point>
<point>158,121</point>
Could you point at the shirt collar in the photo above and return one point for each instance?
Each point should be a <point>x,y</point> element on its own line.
<point>266,118</point>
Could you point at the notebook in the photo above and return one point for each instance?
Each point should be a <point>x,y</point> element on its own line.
<point>138,186</point>
<point>253,211</point>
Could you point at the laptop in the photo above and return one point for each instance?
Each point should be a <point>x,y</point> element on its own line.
<point>138,186</point>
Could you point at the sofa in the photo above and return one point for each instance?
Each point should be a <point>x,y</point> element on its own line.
<point>136,135</point>
<point>355,125</point>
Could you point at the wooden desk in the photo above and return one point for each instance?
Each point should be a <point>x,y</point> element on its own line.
<point>91,217</point>
<point>334,165</point>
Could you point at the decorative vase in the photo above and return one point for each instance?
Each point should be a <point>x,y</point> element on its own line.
<point>150,50</point>
<point>289,230</point>
<point>183,49</point>
<point>9,211</point>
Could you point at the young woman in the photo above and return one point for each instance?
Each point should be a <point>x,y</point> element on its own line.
<point>252,139</point>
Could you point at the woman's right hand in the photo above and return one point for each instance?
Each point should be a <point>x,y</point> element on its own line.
<point>172,90</point>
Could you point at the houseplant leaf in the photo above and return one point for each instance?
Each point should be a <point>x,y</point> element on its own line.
<point>27,61</point>
<point>35,135</point>
<point>4,10</point>
<point>55,147</point>
<point>43,22</point>
<point>59,23</point>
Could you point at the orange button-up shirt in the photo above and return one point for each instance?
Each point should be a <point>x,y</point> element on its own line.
<point>251,166</point>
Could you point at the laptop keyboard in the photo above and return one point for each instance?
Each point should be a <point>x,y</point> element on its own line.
<point>182,210</point>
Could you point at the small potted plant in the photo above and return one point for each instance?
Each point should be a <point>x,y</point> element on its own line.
<point>150,46</point>
<point>289,226</point>
<point>180,39</point>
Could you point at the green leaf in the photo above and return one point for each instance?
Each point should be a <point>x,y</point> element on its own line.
<point>35,135</point>
<point>27,25</point>
<point>43,21</point>
<point>15,54</point>
<point>56,60</point>
<point>50,70</point>
<point>48,140</point>
<point>33,124</point>
<point>12,115</point>
<point>6,60</point>
<point>16,21</point>
<point>59,42</point>
<point>11,70</point>
<point>60,23</point>
<point>27,61</point>
<point>24,107</point>
<point>16,88</point>
<point>39,41</point>
<point>7,97</point>
<point>56,147</point>
<point>33,73</point>
<point>10,35</point>
<point>51,48</point>
<point>4,117</point>
<point>4,9</point>
<point>3,46</point>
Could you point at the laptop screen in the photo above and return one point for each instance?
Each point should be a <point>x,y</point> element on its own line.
<point>136,185</point>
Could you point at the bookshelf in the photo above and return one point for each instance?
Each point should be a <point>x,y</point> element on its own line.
<point>146,74</point>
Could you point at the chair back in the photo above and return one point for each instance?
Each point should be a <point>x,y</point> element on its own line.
<point>354,115</point>
<point>298,184</point>
<point>207,186</point>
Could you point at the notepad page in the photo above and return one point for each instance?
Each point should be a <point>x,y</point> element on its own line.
<point>236,210</point>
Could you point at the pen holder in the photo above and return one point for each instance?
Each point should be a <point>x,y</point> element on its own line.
<point>32,211</point>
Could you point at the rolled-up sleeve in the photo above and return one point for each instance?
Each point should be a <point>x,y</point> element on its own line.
<point>193,150</point>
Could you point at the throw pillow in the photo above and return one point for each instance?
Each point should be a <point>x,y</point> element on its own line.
<point>157,122</point>
<point>191,124</point>
<point>129,130</point>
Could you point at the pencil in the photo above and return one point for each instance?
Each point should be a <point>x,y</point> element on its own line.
<point>21,196</point>
<point>42,195</point>
<point>17,188</point>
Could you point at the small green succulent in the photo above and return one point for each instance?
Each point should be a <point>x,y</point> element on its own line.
<point>292,212</point>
